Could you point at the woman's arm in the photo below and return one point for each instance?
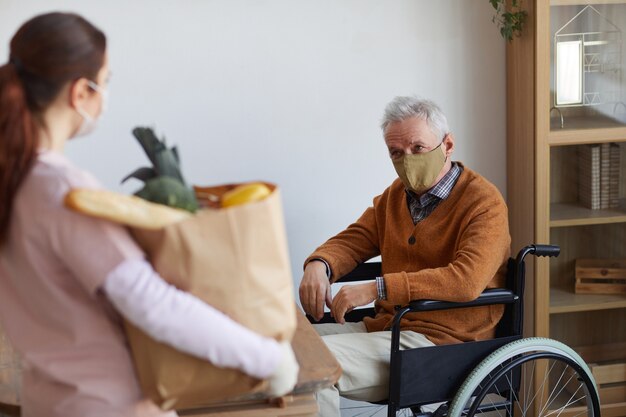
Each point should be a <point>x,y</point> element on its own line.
<point>186,323</point>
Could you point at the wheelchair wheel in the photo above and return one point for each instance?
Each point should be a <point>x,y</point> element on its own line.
<point>502,384</point>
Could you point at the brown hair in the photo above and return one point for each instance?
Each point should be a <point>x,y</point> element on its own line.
<point>46,53</point>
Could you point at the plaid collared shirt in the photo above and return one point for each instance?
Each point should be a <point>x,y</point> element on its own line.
<point>421,207</point>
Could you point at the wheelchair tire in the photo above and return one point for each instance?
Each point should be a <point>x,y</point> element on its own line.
<point>570,388</point>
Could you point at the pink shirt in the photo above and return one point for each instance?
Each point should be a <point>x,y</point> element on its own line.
<point>75,353</point>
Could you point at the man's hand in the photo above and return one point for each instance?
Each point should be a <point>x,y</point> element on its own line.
<point>315,289</point>
<point>351,296</point>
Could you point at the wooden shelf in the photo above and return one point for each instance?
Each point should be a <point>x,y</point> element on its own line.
<point>613,410</point>
<point>608,410</point>
<point>564,215</point>
<point>580,131</point>
<point>566,301</point>
<point>586,136</point>
<point>602,352</point>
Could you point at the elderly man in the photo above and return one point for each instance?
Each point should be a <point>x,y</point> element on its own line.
<point>442,232</point>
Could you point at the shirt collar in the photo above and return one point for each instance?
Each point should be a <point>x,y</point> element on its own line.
<point>443,188</point>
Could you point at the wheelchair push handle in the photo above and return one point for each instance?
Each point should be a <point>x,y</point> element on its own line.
<point>547,250</point>
<point>537,250</point>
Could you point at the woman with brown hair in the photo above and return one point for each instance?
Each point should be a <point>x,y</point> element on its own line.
<point>67,279</point>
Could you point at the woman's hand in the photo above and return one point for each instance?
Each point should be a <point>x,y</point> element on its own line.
<point>285,376</point>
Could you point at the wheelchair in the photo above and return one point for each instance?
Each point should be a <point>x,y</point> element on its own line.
<point>505,376</point>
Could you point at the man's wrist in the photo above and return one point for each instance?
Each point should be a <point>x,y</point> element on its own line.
<point>328,271</point>
<point>380,288</point>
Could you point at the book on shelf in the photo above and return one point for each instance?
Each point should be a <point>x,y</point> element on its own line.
<point>589,176</point>
<point>599,175</point>
<point>605,164</point>
<point>614,183</point>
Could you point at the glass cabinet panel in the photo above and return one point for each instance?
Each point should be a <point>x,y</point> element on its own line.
<point>586,65</point>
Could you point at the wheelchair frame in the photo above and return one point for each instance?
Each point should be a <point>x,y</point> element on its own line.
<point>455,371</point>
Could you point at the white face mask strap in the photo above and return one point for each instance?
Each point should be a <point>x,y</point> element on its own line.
<point>94,86</point>
<point>84,114</point>
<point>100,90</point>
<point>88,124</point>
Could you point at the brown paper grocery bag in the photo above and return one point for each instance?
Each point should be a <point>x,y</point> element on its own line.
<point>236,260</point>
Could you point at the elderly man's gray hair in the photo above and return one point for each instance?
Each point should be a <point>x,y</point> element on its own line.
<point>402,108</point>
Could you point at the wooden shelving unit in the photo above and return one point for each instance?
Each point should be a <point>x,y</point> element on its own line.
<point>572,214</point>
<point>543,191</point>
<point>566,301</point>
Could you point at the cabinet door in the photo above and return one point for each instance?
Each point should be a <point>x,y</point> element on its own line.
<point>581,182</point>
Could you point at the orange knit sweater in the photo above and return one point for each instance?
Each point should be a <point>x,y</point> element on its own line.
<point>460,249</point>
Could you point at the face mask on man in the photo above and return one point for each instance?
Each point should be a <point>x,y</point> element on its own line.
<point>89,122</point>
<point>419,171</point>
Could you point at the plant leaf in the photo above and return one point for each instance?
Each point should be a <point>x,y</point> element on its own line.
<point>142,174</point>
<point>167,165</point>
<point>149,142</point>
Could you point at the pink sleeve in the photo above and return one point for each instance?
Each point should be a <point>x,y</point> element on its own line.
<point>89,247</point>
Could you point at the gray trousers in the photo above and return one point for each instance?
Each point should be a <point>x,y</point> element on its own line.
<point>364,359</point>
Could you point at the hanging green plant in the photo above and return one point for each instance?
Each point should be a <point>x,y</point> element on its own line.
<point>509,20</point>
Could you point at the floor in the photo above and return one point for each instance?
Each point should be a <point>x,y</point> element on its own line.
<point>351,408</point>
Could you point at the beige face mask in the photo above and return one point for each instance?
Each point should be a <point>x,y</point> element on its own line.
<point>419,171</point>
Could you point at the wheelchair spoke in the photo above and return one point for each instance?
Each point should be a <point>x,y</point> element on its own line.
<point>494,404</point>
<point>515,397</point>
<point>564,407</point>
<point>570,401</point>
<point>528,388</point>
<point>541,388</point>
<point>549,403</point>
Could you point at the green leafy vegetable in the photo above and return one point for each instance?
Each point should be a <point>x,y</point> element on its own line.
<point>163,182</point>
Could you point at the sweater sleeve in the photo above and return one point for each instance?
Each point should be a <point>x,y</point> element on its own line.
<point>484,245</point>
<point>355,245</point>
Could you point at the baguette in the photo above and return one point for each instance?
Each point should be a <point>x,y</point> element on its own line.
<point>124,209</point>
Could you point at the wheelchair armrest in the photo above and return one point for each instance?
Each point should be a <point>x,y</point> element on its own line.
<point>488,297</point>
<point>363,272</point>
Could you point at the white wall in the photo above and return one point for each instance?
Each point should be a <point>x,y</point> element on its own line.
<point>289,91</point>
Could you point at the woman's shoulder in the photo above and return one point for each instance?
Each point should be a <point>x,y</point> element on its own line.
<point>51,177</point>
<point>55,169</point>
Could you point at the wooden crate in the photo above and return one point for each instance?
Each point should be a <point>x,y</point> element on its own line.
<point>608,393</point>
<point>609,372</point>
<point>611,380</point>
<point>600,276</point>
<point>607,363</point>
